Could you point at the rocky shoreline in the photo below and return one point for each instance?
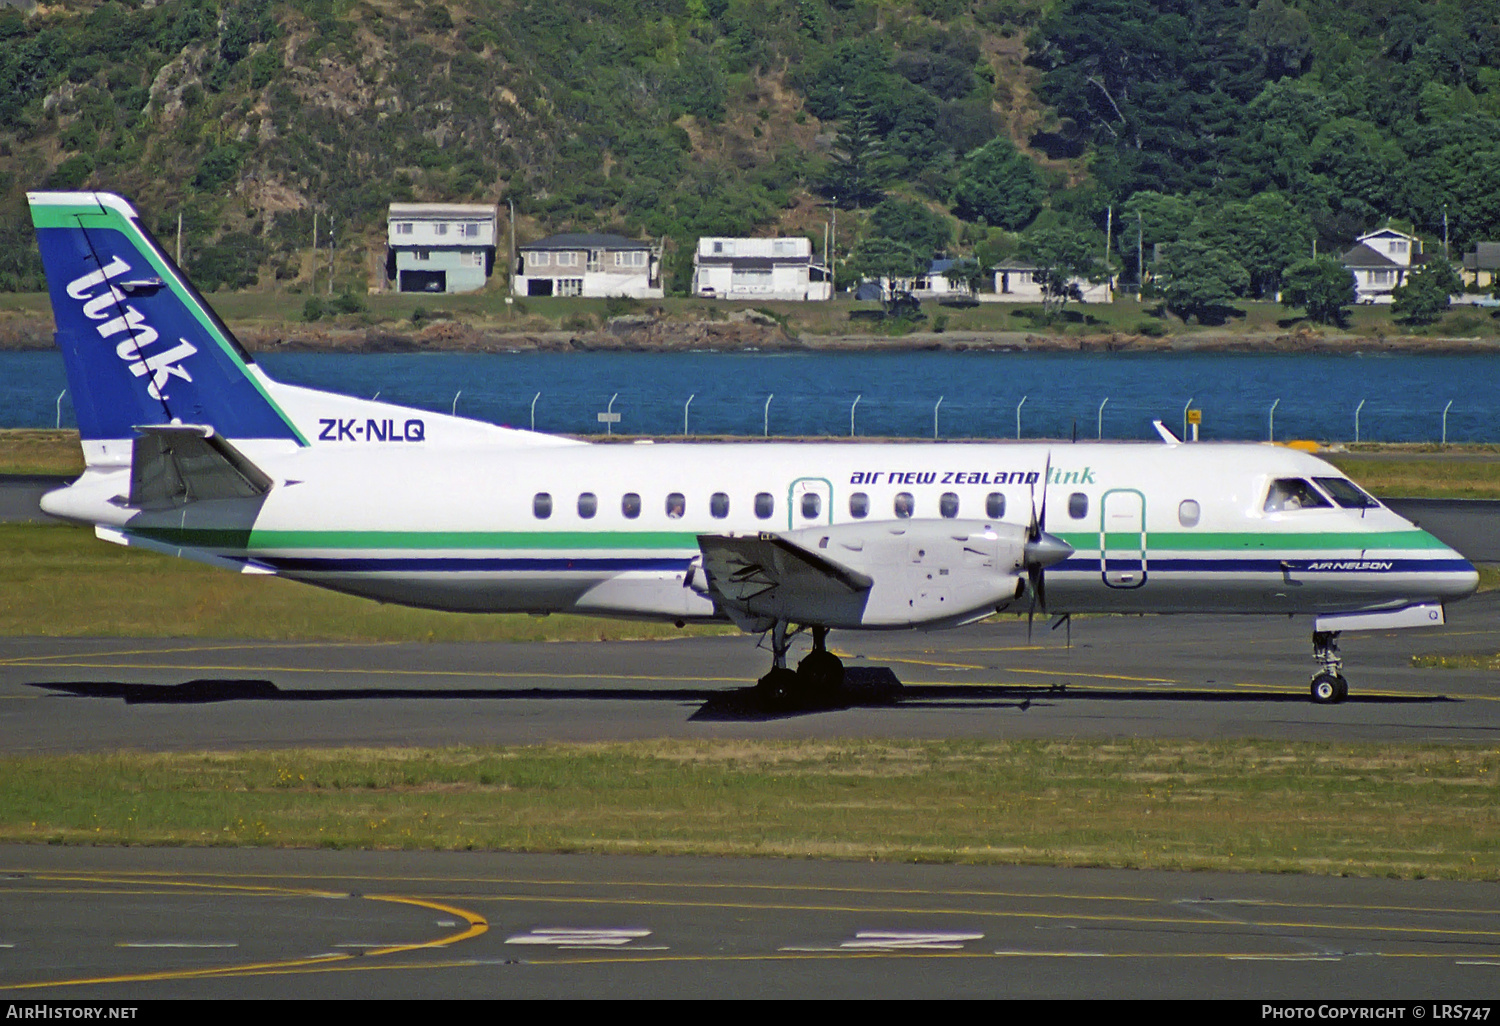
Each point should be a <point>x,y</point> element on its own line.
<point>751,331</point>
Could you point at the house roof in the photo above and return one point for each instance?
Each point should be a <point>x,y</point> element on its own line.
<point>418,211</point>
<point>1486,257</point>
<point>1364,256</point>
<point>1386,233</point>
<point>585,240</point>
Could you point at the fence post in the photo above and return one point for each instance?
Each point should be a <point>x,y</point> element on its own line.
<point>1445,421</point>
<point>1185,409</point>
<point>533,410</point>
<point>935,417</point>
<point>1271,421</point>
<point>685,413</point>
<point>851,413</point>
<point>1018,416</point>
<point>1356,418</point>
<point>1101,418</point>
<point>455,401</point>
<point>765,429</point>
<point>65,392</point>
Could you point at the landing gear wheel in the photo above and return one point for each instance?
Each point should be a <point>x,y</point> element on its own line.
<point>777,686</point>
<point>1329,689</point>
<point>821,672</point>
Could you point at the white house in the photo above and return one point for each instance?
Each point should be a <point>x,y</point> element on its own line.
<point>1015,282</point>
<point>726,268</point>
<point>588,265</point>
<point>932,284</point>
<point>439,247</point>
<point>1380,261</point>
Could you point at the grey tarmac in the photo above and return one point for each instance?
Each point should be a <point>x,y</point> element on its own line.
<point>99,924</point>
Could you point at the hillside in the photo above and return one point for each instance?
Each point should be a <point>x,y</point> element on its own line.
<point>942,124</point>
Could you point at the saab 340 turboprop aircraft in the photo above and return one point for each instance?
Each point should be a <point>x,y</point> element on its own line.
<point>192,450</point>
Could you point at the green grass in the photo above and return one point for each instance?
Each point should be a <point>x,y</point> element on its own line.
<point>59,581</point>
<point>1263,806</point>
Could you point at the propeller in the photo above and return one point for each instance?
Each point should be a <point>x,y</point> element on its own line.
<point>1041,550</point>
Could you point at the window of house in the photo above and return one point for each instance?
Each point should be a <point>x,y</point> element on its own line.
<point>718,247</point>
<point>812,505</point>
<point>570,286</point>
<point>676,505</point>
<point>471,230</point>
<point>595,260</point>
<point>784,247</point>
<point>1078,505</point>
<point>859,505</point>
<point>442,227</point>
<point>904,505</point>
<point>403,227</point>
<point>718,505</point>
<point>541,259</point>
<point>541,505</point>
<point>994,505</point>
<point>631,258</point>
<point>630,505</point>
<point>765,505</point>
<point>588,505</point>
<point>474,259</point>
<point>566,258</point>
<point>422,254</point>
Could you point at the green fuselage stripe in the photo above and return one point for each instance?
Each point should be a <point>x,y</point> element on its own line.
<point>1165,541</point>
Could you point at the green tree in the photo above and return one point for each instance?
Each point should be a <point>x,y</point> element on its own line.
<point>1427,292</point>
<point>1199,281</point>
<point>926,231</point>
<point>1265,234</point>
<point>889,259</point>
<point>856,172</point>
<point>1062,257</point>
<point>1000,184</point>
<point>968,273</point>
<point>1323,287</point>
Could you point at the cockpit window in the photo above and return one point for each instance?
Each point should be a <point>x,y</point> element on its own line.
<point>1346,493</point>
<point>1288,493</point>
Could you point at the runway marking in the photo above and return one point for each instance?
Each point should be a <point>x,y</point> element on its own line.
<point>24,660</point>
<point>898,940</point>
<point>1286,958</point>
<point>367,672</point>
<point>575,937</point>
<point>176,944</point>
<point>1098,676</point>
<point>476,925</point>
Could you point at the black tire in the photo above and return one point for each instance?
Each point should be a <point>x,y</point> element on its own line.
<point>776,688</point>
<point>821,672</point>
<point>1328,689</point>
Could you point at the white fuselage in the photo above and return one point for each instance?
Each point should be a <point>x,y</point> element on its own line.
<point>1155,527</point>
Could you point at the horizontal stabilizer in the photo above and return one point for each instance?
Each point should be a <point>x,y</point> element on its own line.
<point>175,464</point>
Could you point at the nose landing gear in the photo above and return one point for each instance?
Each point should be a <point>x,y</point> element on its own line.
<point>1328,685</point>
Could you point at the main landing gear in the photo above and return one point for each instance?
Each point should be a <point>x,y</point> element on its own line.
<point>819,676</point>
<point>1328,685</point>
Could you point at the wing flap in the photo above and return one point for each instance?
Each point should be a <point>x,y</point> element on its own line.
<point>743,568</point>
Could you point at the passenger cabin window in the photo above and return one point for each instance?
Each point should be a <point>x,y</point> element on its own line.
<point>1346,493</point>
<point>1078,505</point>
<point>541,506</point>
<point>676,505</point>
<point>1188,513</point>
<point>765,505</point>
<point>994,505</point>
<point>588,505</point>
<point>630,505</point>
<point>812,505</point>
<point>1290,493</point>
<point>948,505</point>
<point>905,505</point>
<point>718,505</point>
<point>859,505</point>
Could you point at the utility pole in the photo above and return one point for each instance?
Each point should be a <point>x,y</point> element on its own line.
<point>315,252</point>
<point>1109,233</point>
<point>510,269</point>
<point>1445,231</point>
<point>833,284</point>
<point>179,238</point>
<point>330,254</point>
<point>1140,260</point>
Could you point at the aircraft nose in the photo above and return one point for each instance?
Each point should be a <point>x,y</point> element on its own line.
<point>1458,579</point>
<point>1046,550</point>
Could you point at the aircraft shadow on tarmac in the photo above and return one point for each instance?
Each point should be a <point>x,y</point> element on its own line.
<point>865,686</point>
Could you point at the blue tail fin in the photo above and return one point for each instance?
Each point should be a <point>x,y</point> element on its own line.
<point>140,345</point>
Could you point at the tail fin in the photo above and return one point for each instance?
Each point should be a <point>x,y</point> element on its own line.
<point>139,343</point>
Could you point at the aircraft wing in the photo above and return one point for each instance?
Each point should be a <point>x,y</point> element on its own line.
<point>744,568</point>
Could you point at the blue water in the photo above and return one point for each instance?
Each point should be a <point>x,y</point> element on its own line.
<point>812,393</point>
